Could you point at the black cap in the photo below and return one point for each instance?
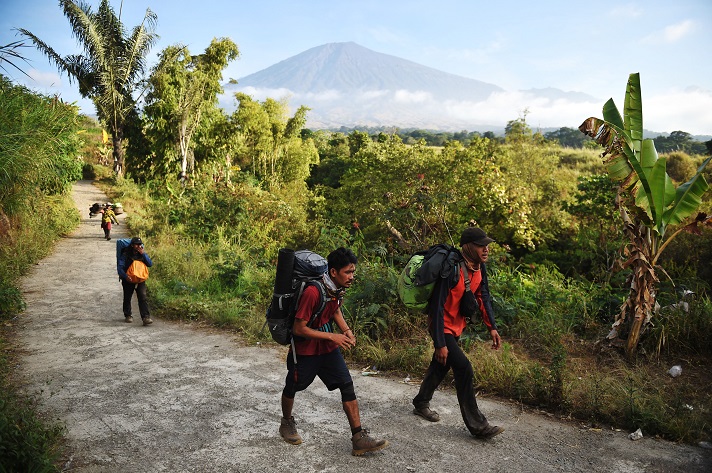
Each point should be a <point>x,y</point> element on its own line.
<point>475,235</point>
<point>136,241</point>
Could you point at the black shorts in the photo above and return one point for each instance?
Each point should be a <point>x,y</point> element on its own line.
<point>331,369</point>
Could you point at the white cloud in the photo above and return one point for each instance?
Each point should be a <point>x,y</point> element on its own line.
<point>407,96</point>
<point>687,110</point>
<point>672,33</point>
<point>44,79</point>
<point>261,93</point>
<point>325,96</point>
<point>501,107</point>
<point>626,11</point>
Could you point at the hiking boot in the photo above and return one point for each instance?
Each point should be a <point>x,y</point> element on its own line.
<point>489,432</point>
<point>363,443</point>
<point>288,431</point>
<point>128,319</point>
<point>147,321</point>
<point>427,414</point>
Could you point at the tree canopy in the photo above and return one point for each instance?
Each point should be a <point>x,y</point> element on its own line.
<point>111,67</point>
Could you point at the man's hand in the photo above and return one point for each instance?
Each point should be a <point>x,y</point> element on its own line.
<point>344,341</point>
<point>441,355</point>
<point>496,339</point>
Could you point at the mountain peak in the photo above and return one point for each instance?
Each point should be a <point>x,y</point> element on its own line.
<point>349,67</point>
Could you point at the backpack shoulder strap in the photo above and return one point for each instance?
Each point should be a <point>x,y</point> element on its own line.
<point>323,297</point>
<point>466,274</point>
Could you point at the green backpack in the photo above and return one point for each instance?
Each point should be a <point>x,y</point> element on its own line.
<point>417,280</point>
<point>413,295</point>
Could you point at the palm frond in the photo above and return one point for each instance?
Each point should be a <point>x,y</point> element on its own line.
<point>10,50</point>
<point>47,51</point>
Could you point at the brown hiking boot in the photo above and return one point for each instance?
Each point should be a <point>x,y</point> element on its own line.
<point>288,431</point>
<point>363,443</point>
<point>147,321</point>
<point>128,319</point>
<point>427,413</point>
<point>489,432</point>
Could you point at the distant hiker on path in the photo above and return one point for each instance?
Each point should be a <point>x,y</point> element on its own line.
<point>448,311</point>
<point>134,252</point>
<point>318,352</point>
<point>107,217</point>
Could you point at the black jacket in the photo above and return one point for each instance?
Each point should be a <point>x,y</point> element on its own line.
<point>436,304</point>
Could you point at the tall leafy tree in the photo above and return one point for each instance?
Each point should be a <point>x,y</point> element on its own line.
<point>111,67</point>
<point>182,90</point>
<point>648,202</point>
<point>271,145</point>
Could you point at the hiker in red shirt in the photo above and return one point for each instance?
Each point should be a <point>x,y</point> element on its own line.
<point>449,309</point>
<point>318,351</point>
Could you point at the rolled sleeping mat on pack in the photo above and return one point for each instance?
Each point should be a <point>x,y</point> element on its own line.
<point>282,284</point>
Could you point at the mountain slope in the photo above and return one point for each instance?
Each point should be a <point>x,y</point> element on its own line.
<point>348,67</point>
<point>345,84</point>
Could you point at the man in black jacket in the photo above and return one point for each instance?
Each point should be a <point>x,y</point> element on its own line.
<point>449,308</point>
<point>134,252</point>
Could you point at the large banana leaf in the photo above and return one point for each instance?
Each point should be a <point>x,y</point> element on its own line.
<point>617,151</point>
<point>633,111</point>
<point>612,115</point>
<point>687,197</point>
<point>661,188</point>
<point>623,163</point>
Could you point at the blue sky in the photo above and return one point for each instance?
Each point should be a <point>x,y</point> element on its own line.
<point>589,47</point>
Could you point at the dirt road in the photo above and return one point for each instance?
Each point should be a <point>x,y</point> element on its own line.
<point>175,398</point>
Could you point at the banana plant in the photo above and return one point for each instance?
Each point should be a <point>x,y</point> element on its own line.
<point>648,202</point>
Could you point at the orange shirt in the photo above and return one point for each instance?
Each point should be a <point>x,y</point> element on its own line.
<point>454,323</point>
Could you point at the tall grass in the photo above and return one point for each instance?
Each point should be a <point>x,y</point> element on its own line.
<point>39,145</point>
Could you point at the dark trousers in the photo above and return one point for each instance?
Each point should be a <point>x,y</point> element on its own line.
<point>464,384</point>
<point>140,289</point>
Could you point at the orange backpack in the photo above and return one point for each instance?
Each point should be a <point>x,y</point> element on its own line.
<point>137,272</point>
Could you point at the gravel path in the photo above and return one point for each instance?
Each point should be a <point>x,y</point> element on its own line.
<point>175,398</point>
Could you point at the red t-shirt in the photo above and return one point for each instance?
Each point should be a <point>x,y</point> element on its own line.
<point>308,304</point>
<point>454,323</point>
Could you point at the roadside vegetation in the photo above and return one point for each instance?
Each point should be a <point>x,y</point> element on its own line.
<point>216,195</point>
<point>39,146</point>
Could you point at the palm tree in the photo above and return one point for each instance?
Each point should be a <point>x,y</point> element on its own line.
<point>111,67</point>
<point>648,201</point>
